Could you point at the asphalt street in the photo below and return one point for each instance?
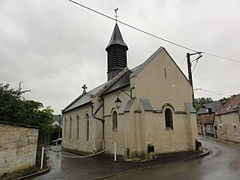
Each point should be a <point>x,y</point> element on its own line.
<point>223,163</point>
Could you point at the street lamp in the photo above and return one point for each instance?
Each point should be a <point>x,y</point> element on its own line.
<point>118,103</point>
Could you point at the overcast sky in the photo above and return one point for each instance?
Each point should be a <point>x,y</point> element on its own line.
<point>55,46</point>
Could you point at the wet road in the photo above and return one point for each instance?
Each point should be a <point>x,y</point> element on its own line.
<point>223,163</point>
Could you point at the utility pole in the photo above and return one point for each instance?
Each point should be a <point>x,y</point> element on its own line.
<point>189,64</point>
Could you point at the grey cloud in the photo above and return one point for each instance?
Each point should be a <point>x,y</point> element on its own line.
<point>55,47</point>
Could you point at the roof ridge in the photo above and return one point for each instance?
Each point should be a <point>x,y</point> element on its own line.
<point>139,68</point>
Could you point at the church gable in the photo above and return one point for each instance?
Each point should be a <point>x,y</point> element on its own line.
<point>161,81</point>
<point>161,50</point>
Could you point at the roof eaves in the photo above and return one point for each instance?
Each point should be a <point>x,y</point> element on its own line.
<point>67,110</point>
<point>73,102</point>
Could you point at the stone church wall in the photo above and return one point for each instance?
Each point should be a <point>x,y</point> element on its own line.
<point>121,135</point>
<point>75,132</point>
<point>162,83</point>
<point>18,147</point>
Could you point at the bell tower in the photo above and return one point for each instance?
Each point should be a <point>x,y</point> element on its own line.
<point>116,53</point>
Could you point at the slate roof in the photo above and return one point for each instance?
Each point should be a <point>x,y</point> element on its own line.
<point>120,81</point>
<point>215,106</point>
<point>129,104</point>
<point>116,38</point>
<point>83,99</point>
<point>190,107</point>
<point>146,104</point>
<point>232,105</point>
<point>123,81</point>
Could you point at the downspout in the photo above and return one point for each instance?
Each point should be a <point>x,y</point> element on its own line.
<point>239,112</point>
<point>102,120</point>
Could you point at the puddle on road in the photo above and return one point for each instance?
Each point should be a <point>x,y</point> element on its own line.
<point>54,155</point>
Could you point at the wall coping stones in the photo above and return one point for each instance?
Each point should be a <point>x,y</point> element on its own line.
<point>18,124</point>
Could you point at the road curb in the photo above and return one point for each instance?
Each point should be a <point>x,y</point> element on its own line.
<point>34,174</point>
<point>206,152</point>
<point>219,140</point>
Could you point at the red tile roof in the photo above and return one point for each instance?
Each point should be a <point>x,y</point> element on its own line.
<point>206,118</point>
<point>232,105</point>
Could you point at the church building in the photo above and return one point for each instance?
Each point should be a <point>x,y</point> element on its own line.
<point>145,110</point>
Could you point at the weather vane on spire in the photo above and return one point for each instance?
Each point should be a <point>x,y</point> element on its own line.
<point>116,16</point>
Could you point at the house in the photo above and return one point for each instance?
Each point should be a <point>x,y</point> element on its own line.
<point>227,121</point>
<point>57,121</point>
<point>18,147</point>
<point>206,116</point>
<point>144,110</point>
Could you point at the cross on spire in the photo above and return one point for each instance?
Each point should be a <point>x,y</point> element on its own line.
<point>116,16</point>
<point>84,88</point>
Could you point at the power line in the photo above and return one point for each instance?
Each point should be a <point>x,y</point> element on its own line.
<point>210,91</point>
<point>133,27</point>
<point>230,59</point>
<point>150,34</point>
<point>183,60</point>
<point>195,66</point>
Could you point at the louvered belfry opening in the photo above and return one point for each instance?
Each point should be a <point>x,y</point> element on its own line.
<point>117,53</point>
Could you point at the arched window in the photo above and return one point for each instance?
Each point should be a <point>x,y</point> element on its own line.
<point>168,118</point>
<point>114,120</point>
<point>87,127</point>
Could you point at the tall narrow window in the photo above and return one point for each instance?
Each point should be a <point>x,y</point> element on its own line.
<point>65,127</point>
<point>165,73</point>
<point>168,119</point>
<point>77,128</point>
<point>235,131</point>
<point>114,120</point>
<point>70,128</point>
<point>87,127</point>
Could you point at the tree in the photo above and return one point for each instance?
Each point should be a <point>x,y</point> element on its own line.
<point>224,100</point>
<point>200,101</point>
<point>15,108</point>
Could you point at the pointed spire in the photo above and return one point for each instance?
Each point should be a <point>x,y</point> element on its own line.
<point>117,53</point>
<point>116,38</point>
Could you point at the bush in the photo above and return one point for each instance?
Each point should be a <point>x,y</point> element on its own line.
<point>15,108</point>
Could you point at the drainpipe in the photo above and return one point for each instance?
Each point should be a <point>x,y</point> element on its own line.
<point>102,120</point>
<point>239,112</point>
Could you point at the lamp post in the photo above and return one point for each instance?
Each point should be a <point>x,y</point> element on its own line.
<point>118,103</point>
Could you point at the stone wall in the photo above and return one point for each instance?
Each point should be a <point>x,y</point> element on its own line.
<point>228,126</point>
<point>18,147</point>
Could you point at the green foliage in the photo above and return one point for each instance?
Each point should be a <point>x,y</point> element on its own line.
<point>224,99</point>
<point>200,101</point>
<point>15,108</point>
